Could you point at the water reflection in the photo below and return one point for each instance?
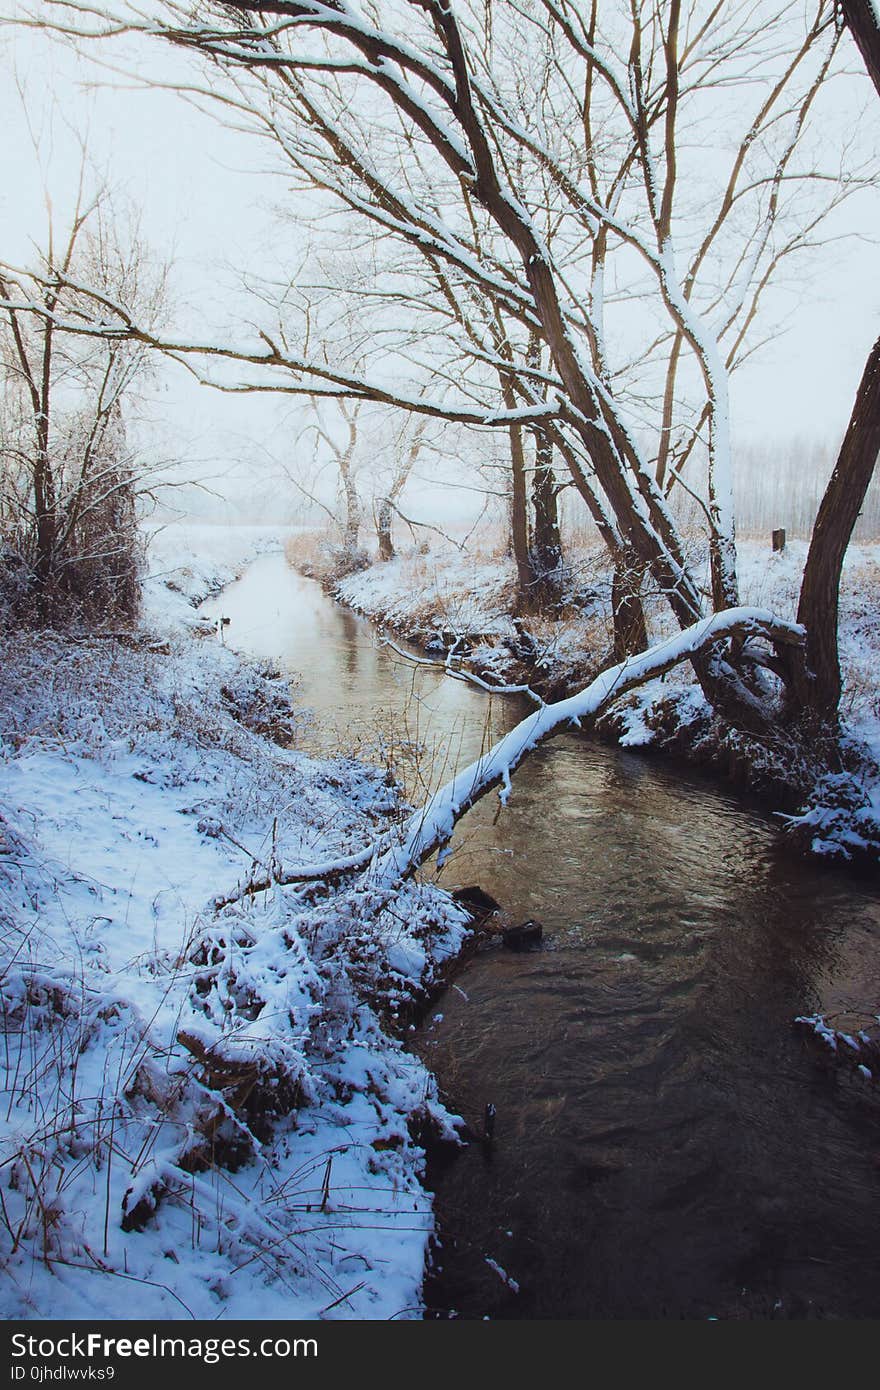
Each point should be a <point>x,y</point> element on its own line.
<point>365,698</point>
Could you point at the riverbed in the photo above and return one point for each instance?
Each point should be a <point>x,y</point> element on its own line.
<point>666,1144</point>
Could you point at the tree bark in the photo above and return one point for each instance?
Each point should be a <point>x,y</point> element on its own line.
<point>862,24</point>
<point>519,523</point>
<point>345,459</point>
<point>630,630</point>
<point>383,530</point>
<point>546,541</point>
<point>819,691</point>
<point>351,532</point>
<point>387,505</point>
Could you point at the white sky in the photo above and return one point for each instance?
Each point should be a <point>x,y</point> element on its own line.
<point>203,201</point>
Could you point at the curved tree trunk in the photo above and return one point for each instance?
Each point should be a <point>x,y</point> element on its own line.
<point>818,690</point>
<point>819,693</point>
<point>431,826</point>
<point>345,459</point>
<point>387,505</point>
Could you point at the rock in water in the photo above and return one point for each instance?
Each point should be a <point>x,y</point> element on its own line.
<point>522,937</point>
<point>478,903</point>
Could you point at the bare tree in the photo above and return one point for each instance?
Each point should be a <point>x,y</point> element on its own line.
<point>373,459</point>
<point>343,451</point>
<point>406,454</point>
<point>69,478</point>
<point>550,160</point>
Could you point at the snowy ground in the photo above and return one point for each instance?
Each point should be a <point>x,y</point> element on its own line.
<point>202,1114</point>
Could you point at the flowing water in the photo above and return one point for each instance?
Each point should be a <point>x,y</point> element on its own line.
<point>666,1143</point>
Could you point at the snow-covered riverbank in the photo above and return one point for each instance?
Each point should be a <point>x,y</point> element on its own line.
<point>189,560</point>
<point>443,600</point>
<point>206,1111</point>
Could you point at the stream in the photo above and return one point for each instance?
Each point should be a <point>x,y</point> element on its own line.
<point>667,1144</point>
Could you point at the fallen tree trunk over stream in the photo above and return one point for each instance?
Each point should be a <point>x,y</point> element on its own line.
<point>388,861</point>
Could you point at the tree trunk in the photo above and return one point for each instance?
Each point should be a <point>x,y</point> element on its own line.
<point>838,513</point>
<point>546,550</point>
<point>387,505</point>
<point>352,528</point>
<point>46,519</point>
<point>430,827</point>
<point>816,689</point>
<point>519,523</point>
<point>861,21</point>
<point>630,631</point>
<point>45,501</point>
<point>383,530</point>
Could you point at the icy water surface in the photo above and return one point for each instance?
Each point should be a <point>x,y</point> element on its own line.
<point>666,1143</point>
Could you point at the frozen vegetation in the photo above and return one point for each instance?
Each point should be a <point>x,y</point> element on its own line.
<point>207,1109</point>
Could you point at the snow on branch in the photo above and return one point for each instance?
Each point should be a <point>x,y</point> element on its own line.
<point>431,827</point>
<point>297,376</point>
<point>461,673</point>
<point>386,862</point>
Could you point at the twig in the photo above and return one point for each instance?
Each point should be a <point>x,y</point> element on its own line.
<point>458,673</point>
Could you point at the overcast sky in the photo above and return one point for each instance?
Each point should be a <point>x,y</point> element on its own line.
<point>206,201</point>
